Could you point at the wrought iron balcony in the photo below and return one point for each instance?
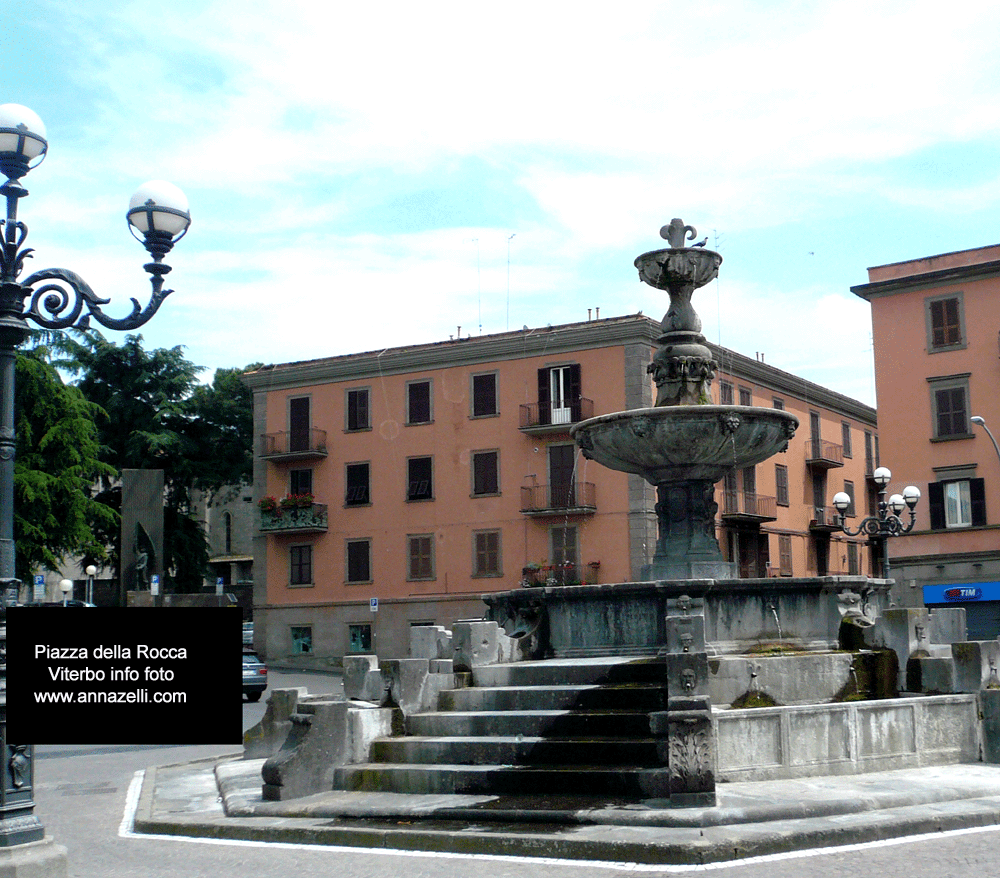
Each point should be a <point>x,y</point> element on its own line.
<point>543,417</point>
<point>824,455</point>
<point>294,519</point>
<point>567,498</point>
<point>825,518</point>
<point>535,575</point>
<point>293,445</point>
<point>750,507</point>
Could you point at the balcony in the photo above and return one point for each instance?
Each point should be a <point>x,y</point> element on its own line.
<point>739,506</point>
<point>542,417</point>
<point>291,517</point>
<point>569,498</point>
<point>825,519</point>
<point>821,454</point>
<point>291,446</point>
<point>535,575</point>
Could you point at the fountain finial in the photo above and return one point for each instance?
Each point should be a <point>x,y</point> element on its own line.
<point>675,232</point>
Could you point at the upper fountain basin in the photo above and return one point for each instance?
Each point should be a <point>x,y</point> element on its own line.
<point>681,266</point>
<point>673,443</point>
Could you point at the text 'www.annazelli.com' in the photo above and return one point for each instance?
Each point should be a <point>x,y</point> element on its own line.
<point>131,696</point>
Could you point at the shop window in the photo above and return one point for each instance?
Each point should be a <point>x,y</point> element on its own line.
<point>359,638</point>
<point>302,639</point>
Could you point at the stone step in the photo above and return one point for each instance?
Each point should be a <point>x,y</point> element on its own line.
<point>573,672</point>
<point>620,780</point>
<point>635,697</point>
<point>516,750</point>
<point>530,723</point>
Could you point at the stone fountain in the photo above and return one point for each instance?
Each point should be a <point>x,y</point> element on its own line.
<point>608,690</point>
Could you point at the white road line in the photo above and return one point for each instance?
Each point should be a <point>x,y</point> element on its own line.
<point>127,830</point>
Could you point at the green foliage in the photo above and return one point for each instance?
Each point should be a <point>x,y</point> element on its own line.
<point>160,417</point>
<point>57,462</point>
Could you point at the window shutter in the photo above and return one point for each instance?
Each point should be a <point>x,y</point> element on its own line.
<point>935,499</point>
<point>977,496</point>
<point>575,391</point>
<point>544,398</point>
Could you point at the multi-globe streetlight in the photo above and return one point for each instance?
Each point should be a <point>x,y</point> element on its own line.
<point>52,299</point>
<point>886,522</point>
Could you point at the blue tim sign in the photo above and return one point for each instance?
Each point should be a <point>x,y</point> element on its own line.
<point>962,593</point>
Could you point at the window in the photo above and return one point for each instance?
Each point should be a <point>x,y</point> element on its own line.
<point>359,560</point>
<point>486,553</point>
<point>559,394</point>
<point>781,484</point>
<point>778,403</point>
<point>563,542</point>
<point>485,473</point>
<point>944,323</point>
<point>421,556</point>
<point>302,639</point>
<point>299,423</point>
<point>358,484</point>
<point>418,402</point>
<point>851,511</point>
<point>300,564</point>
<point>853,567</point>
<point>725,393</point>
<point>950,406</point>
<point>746,396</point>
<point>419,478</point>
<point>845,433</point>
<point>785,554</point>
<point>358,409</point>
<point>227,524</point>
<point>359,638</point>
<point>958,503</point>
<point>484,395</point>
<point>300,481</point>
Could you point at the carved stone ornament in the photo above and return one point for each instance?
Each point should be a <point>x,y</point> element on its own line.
<point>730,422</point>
<point>691,752</point>
<point>19,765</point>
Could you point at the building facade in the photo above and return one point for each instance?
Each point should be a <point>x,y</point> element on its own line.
<point>395,488</point>
<point>935,324</point>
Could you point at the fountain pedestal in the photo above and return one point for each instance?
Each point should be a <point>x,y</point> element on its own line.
<point>686,547</point>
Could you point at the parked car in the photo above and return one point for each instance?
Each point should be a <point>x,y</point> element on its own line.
<point>254,675</point>
<point>248,633</point>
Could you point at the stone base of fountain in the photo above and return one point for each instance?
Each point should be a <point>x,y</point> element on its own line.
<point>803,613</point>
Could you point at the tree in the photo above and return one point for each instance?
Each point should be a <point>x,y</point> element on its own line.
<point>56,466</point>
<point>160,417</point>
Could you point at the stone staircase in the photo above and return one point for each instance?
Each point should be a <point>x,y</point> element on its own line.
<point>578,727</point>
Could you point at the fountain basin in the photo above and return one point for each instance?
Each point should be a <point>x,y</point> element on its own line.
<point>688,442</point>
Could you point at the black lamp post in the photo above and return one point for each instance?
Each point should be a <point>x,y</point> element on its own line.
<point>52,299</point>
<point>886,522</point>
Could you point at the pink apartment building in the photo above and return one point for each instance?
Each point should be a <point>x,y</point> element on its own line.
<point>937,366</point>
<point>399,486</point>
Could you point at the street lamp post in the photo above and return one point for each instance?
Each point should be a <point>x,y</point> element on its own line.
<point>982,423</point>
<point>886,522</point>
<point>91,572</point>
<point>53,299</point>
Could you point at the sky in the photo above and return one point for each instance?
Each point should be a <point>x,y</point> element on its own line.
<point>364,176</point>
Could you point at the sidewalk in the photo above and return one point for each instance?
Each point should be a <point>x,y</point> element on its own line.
<point>221,799</point>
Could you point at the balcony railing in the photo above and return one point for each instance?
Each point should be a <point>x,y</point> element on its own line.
<point>740,505</point>
<point>293,445</point>
<point>543,417</point>
<point>311,518</point>
<point>824,455</point>
<point>535,575</point>
<point>567,498</point>
<point>825,518</point>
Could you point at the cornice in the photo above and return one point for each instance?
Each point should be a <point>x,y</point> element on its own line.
<point>928,280</point>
